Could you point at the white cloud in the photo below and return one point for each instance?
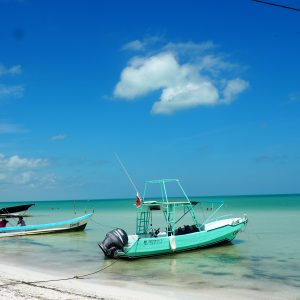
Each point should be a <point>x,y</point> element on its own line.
<point>3,177</point>
<point>11,91</point>
<point>134,46</point>
<point>6,90</point>
<point>294,97</point>
<point>58,137</point>
<point>186,96</point>
<point>144,75</point>
<point>18,171</point>
<point>233,88</point>
<point>140,45</point>
<point>15,162</point>
<point>32,179</point>
<point>11,128</point>
<point>186,75</point>
<point>49,179</point>
<point>189,47</point>
<point>14,70</point>
<point>24,178</point>
<point>214,65</point>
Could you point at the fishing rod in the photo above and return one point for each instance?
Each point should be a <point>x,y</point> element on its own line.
<point>277,4</point>
<point>127,174</point>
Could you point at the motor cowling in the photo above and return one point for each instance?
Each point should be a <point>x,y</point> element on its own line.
<point>114,242</point>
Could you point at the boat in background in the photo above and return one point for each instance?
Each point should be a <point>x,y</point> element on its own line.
<point>17,212</point>
<point>15,209</point>
<point>75,224</point>
<point>149,241</point>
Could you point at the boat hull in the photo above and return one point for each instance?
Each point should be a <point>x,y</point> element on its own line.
<point>15,209</point>
<point>76,224</point>
<point>143,247</point>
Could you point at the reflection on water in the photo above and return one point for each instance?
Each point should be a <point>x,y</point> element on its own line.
<point>266,253</point>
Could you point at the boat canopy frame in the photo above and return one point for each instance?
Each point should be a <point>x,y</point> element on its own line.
<point>168,205</point>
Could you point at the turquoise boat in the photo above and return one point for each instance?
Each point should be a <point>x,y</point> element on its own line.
<point>174,236</point>
<point>75,224</point>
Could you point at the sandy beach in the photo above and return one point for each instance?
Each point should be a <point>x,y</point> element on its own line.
<point>18,283</point>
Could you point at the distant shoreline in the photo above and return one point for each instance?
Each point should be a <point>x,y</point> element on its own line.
<point>133,197</point>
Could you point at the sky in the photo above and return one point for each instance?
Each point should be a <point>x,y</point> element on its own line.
<point>204,91</point>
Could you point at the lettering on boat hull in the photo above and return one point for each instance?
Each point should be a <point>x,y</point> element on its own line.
<point>74,225</point>
<point>152,242</point>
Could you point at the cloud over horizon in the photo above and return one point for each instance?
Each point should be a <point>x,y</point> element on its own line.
<point>187,74</point>
<point>8,90</point>
<point>11,91</point>
<point>59,137</point>
<point>14,70</point>
<point>16,162</point>
<point>18,171</point>
<point>7,128</point>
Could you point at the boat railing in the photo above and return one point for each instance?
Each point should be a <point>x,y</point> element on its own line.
<point>220,218</point>
<point>214,210</point>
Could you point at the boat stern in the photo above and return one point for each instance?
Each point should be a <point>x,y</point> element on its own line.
<point>114,242</point>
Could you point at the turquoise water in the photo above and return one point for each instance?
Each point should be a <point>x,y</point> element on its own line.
<point>266,256</point>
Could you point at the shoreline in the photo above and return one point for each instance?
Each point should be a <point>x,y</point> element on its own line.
<point>22,284</point>
<point>33,285</point>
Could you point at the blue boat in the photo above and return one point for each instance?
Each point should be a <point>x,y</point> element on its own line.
<point>75,224</point>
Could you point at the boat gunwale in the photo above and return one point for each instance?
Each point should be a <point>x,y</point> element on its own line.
<point>174,252</point>
<point>44,226</point>
<point>124,255</point>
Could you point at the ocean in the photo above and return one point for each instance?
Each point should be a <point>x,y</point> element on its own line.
<point>266,256</point>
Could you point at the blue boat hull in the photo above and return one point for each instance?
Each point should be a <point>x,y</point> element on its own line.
<point>76,224</point>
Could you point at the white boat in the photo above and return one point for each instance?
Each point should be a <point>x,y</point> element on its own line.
<point>75,224</point>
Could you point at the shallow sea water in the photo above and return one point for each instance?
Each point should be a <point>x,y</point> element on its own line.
<point>264,257</point>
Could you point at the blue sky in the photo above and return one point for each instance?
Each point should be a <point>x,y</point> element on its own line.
<point>204,91</point>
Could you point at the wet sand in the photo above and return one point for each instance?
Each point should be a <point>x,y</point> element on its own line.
<point>19,283</point>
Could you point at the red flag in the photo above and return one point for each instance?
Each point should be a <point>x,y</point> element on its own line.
<point>137,200</point>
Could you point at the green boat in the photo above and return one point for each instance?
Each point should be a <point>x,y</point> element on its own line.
<point>174,236</point>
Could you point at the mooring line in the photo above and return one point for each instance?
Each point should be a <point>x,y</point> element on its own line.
<point>59,279</point>
<point>102,224</point>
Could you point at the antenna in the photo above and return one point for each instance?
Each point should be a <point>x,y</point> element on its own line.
<point>277,4</point>
<point>127,174</point>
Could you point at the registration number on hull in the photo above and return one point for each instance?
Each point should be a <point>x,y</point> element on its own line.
<point>74,225</point>
<point>152,242</point>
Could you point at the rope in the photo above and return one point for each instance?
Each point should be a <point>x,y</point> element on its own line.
<point>66,278</point>
<point>102,224</point>
<point>59,279</point>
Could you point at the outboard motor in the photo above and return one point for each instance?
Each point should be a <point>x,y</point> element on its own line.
<point>114,242</point>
